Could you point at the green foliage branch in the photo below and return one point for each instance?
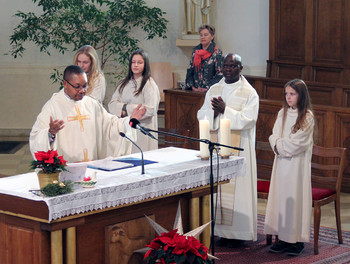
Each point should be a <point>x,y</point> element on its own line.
<point>108,26</point>
<point>57,188</point>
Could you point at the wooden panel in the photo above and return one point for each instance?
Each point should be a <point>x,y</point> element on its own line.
<point>3,251</point>
<point>320,128</point>
<point>181,109</point>
<point>321,93</point>
<point>290,71</point>
<point>91,236</point>
<point>346,34</point>
<point>274,91</point>
<point>328,44</point>
<point>266,119</point>
<point>291,30</point>
<point>327,75</point>
<point>342,137</point>
<point>22,241</point>
<point>346,97</point>
<point>314,34</point>
<point>185,106</point>
<point>265,157</point>
<point>24,206</point>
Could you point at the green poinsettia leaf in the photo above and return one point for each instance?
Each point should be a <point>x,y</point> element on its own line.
<point>179,259</point>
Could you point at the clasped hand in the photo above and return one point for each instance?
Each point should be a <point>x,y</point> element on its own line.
<point>218,105</point>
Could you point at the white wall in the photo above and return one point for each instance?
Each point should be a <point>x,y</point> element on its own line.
<point>242,27</point>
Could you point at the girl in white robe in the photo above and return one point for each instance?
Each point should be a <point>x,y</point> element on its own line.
<point>289,206</point>
<point>86,57</point>
<point>136,88</point>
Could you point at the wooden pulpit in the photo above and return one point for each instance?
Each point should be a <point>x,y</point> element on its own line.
<point>181,108</point>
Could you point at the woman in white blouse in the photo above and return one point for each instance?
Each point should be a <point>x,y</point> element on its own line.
<point>138,87</point>
<point>86,57</point>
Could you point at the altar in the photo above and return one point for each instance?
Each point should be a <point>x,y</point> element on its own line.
<point>105,224</point>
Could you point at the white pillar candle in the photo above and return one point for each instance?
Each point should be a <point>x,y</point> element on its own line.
<point>225,136</point>
<point>204,133</point>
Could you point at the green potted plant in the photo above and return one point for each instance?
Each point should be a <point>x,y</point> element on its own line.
<point>108,26</point>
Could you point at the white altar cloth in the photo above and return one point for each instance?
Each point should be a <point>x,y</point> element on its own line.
<point>177,169</point>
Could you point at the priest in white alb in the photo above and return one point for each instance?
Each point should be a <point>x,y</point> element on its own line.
<point>78,126</point>
<point>235,99</point>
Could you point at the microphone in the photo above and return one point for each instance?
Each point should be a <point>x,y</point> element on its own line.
<point>133,142</point>
<point>134,123</point>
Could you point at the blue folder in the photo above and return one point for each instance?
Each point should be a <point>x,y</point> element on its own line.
<point>135,161</point>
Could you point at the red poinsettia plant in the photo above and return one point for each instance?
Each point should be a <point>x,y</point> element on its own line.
<point>174,248</point>
<point>48,161</point>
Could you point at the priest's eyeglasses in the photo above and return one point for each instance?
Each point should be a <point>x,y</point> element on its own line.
<point>231,66</point>
<point>85,87</point>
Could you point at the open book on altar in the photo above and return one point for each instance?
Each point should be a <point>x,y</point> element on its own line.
<point>117,164</point>
<point>76,171</point>
<point>108,165</point>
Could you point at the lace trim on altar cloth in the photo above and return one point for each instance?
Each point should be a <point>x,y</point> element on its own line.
<point>141,189</point>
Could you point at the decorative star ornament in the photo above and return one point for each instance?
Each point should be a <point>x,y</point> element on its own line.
<point>177,225</point>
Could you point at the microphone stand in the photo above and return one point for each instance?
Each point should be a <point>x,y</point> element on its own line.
<point>142,160</point>
<point>211,146</point>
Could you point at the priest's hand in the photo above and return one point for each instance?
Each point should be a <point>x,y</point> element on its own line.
<point>55,126</point>
<point>138,112</point>
<point>218,105</point>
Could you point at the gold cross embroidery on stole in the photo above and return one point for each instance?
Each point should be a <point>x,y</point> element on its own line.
<point>86,156</point>
<point>79,117</point>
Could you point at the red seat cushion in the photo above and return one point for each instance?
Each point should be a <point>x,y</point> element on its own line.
<point>320,193</point>
<point>263,186</point>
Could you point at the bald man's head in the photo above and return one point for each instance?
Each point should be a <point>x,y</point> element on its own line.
<point>232,67</point>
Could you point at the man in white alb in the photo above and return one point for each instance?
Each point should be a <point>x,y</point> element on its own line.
<point>234,98</point>
<point>78,126</point>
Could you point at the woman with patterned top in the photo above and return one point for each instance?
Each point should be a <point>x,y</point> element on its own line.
<point>206,62</point>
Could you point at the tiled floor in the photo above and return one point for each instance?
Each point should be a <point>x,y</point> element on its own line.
<point>18,163</point>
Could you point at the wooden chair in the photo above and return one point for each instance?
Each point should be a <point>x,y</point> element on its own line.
<point>327,168</point>
<point>165,78</point>
<point>170,141</point>
<point>327,172</point>
<point>265,157</point>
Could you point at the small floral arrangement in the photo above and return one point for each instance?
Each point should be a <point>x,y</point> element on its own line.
<point>57,188</point>
<point>48,161</point>
<point>172,247</point>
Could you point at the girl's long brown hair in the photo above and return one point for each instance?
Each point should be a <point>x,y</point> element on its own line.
<point>303,104</point>
<point>146,74</point>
